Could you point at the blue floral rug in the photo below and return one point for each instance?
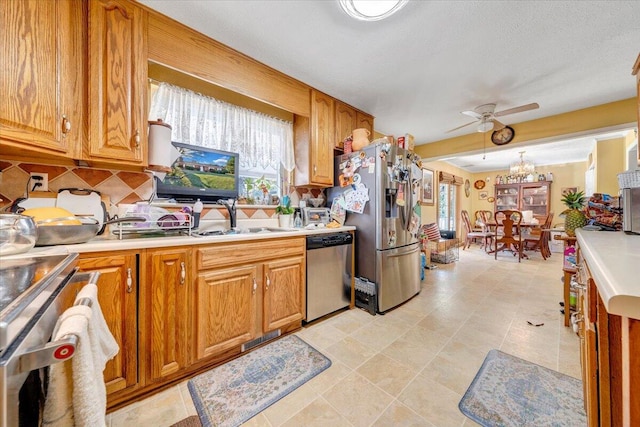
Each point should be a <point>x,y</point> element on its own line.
<point>508,391</point>
<point>236,391</point>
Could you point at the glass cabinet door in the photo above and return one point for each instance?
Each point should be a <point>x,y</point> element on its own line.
<point>507,197</point>
<point>535,198</point>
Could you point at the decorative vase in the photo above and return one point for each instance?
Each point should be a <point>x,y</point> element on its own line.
<point>360,139</point>
<point>284,220</point>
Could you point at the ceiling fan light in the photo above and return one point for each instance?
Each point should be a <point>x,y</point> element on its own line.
<point>371,10</point>
<point>485,126</point>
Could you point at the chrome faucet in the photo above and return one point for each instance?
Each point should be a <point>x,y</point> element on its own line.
<point>231,207</point>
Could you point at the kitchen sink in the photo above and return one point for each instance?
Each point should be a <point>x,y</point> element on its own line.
<point>250,230</point>
<point>265,230</point>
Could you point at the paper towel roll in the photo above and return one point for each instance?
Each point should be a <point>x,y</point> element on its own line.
<point>159,146</point>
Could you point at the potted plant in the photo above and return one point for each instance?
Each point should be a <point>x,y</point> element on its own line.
<point>285,214</point>
<point>573,216</point>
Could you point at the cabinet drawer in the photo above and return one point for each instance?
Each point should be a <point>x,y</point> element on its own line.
<point>247,252</point>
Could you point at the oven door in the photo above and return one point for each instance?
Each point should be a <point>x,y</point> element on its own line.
<point>23,365</point>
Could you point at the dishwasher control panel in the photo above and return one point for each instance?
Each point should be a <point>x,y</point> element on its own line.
<point>329,240</point>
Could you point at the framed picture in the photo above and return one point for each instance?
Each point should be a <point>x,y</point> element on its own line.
<point>428,188</point>
<point>483,195</point>
<point>567,190</point>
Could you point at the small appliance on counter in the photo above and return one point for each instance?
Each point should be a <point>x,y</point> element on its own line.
<point>631,210</point>
<point>315,216</point>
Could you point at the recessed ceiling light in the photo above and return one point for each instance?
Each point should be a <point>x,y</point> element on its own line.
<point>371,10</point>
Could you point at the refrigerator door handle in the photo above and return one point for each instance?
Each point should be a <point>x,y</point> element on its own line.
<point>404,253</point>
<point>408,206</point>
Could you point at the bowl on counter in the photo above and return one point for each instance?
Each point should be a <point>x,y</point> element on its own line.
<point>18,234</point>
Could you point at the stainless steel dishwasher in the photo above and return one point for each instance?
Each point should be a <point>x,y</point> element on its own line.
<point>328,273</point>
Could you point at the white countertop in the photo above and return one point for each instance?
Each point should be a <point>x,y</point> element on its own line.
<point>614,261</point>
<point>112,243</point>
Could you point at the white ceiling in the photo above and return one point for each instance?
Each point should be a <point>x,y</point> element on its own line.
<point>416,71</point>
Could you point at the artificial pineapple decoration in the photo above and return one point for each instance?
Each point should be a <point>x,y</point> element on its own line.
<point>573,216</point>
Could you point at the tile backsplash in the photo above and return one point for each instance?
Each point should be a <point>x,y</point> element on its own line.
<point>122,187</point>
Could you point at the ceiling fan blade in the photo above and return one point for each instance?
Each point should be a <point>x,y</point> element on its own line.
<point>497,125</point>
<point>459,127</point>
<point>472,113</point>
<point>519,109</point>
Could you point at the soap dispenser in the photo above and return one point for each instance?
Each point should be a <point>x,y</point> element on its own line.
<point>297,222</point>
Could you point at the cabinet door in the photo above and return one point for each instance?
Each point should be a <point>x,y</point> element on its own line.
<point>507,196</point>
<point>322,135</point>
<point>284,292</point>
<point>117,73</point>
<point>117,294</point>
<point>165,295</point>
<point>345,123</point>
<point>365,121</point>
<point>225,309</point>
<point>535,198</point>
<point>41,78</point>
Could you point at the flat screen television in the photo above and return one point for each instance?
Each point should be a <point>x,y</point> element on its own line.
<point>200,173</point>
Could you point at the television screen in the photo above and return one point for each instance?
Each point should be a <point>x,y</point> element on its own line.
<point>200,173</point>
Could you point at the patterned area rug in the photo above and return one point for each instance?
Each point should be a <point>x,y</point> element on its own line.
<point>236,391</point>
<point>508,391</point>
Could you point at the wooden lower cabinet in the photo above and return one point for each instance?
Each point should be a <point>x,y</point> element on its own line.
<point>245,290</point>
<point>164,320</point>
<point>225,309</point>
<point>610,345</point>
<point>117,294</point>
<point>284,297</point>
<point>176,311</point>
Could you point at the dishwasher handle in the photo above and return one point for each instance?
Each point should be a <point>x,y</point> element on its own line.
<point>329,240</point>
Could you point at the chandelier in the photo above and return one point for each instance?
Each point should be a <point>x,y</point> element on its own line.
<point>522,167</point>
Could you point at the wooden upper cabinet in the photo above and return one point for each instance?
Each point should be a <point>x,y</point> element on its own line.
<point>346,122</point>
<point>322,134</point>
<point>117,82</point>
<point>365,121</point>
<point>314,143</point>
<point>40,75</point>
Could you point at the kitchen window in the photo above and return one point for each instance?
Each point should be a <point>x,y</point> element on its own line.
<point>265,143</point>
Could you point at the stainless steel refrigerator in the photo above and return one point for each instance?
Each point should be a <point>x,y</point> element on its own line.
<point>387,246</point>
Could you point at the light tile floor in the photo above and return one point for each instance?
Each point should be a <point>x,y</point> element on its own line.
<point>411,366</point>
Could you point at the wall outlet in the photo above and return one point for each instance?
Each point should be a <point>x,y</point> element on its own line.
<point>39,178</point>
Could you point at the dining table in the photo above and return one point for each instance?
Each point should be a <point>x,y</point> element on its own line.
<point>492,224</point>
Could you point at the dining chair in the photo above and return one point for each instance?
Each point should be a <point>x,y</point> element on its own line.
<point>539,241</point>
<point>508,232</point>
<point>472,234</point>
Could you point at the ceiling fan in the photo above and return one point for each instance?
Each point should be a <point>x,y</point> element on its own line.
<point>486,114</point>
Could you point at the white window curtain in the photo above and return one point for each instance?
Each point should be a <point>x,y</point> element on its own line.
<point>261,140</point>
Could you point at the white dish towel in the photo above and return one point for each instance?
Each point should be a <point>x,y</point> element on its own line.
<point>77,394</point>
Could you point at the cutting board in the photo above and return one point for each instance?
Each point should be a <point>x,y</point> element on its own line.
<point>83,202</point>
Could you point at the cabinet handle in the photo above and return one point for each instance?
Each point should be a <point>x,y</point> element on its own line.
<point>136,138</point>
<point>255,286</point>
<point>268,283</point>
<point>66,125</point>
<point>183,273</point>
<point>129,281</point>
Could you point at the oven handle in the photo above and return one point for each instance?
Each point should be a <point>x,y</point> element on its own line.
<point>62,349</point>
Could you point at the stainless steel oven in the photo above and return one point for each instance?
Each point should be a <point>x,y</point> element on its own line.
<point>34,291</point>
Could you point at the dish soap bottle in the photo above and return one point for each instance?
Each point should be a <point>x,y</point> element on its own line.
<point>297,222</point>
